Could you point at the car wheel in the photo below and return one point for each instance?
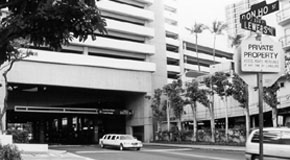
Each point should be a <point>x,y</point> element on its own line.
<point>255,157</point>
<point>121,147</point>
<point>102,145</point>
<point>138,149</point>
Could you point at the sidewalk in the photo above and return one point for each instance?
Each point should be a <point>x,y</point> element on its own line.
<point>198,146</point>
<point>53,155</point>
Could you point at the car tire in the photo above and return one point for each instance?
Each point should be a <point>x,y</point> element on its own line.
<point>102,145</point>
<point>121,147</point>
<point>255,157</point>
<point>138,149</point>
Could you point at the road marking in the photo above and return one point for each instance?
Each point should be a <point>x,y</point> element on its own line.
<point>166,150</point>
<point>199,156</point>
<point>142,150</point>
<point>104,151</point>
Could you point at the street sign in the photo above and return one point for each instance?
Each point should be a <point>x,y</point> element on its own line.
<point>252,20</point>
<point>261,56</point>
<point>259,10</point>
<point>260,26</point>
<point>249,76</point>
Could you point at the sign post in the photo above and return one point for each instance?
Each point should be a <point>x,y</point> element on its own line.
<point>260,57</point>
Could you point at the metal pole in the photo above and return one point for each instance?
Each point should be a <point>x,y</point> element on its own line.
<point>261,118</point>
<point>168,116</point>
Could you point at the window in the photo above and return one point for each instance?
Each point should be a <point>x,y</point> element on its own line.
<point>109,137</point>
<point>270,137</point>
<point>113,137</point>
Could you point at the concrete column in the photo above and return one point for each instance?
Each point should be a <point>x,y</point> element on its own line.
<point>86,51</point>
<point>41,132</point>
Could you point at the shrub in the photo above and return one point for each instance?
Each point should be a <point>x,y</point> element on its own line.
<point>19,136</point>
<point>9,152</point>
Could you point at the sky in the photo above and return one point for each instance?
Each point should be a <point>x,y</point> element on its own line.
<point>205,12</point>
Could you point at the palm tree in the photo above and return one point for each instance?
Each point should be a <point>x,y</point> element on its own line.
<point>236,40</point>
<point>197,29</point>
<point>158,109</point>
<point>217,29</point>
<point>270,97</point>
<point>241,94</point>
<point>173,92</point>
<point>223,87</point>
<point>209,83</point>
<point>194,95</point>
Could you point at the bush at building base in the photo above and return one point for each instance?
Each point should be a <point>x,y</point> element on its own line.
<point>9,152</point>
<point>19,136</point>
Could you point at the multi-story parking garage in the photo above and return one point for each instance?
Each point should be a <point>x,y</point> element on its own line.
<point>95,87</point>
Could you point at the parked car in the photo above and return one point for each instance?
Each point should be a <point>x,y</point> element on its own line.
<point>122,141</point>
<point>276,144</point>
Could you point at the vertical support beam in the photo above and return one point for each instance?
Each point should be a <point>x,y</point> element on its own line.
<point>86,51</point>
<point>261,118</point>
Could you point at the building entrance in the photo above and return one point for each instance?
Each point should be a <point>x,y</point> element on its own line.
<point>66,128</point>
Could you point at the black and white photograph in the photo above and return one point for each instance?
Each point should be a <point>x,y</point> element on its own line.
<point>144,79</point>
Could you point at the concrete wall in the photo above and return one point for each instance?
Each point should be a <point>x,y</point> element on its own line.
<point>28,72</point>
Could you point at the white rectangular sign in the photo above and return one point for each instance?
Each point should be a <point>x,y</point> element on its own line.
<point>260,56</point>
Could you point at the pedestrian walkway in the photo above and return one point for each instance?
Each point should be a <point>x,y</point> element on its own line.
<point>198,146</point>
<point>53,155</point>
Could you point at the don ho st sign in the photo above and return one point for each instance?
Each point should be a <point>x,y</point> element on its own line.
<point>252,19</point>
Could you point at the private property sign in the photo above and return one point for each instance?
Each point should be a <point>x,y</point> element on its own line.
<point>261,56</point>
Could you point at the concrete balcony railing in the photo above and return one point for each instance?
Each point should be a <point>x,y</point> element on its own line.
<point>119,45</point>
<point>283,16</point>
<point>145,1</point>
<point>129,28</point>
<point>174,42</point>
<point>173,68</point>
<point>171,16</point>
<point>285,42</point>
<point>126,10</point>
<point>173,55</point>
<point>172,29</point>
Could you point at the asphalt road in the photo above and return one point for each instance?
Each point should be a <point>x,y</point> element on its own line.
<point>151,153</point>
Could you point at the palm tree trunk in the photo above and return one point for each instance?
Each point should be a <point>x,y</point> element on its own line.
<point>194,136</point>
<point>212,124</point>
<point>274,116</point>
<point>196,50</point>
<point>168,115</point>
<point>247,114</point>
<point>4,105</point>
<point>214,39</point>
<point>226,120</point>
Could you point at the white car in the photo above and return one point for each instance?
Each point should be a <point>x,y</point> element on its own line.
<point>120,140</point>
<point>276,144</point>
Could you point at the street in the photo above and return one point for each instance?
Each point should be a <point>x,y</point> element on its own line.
<point>148,152</point>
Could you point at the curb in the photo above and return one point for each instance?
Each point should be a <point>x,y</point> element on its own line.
<point>208,147</point>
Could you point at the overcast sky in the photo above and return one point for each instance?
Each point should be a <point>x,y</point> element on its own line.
<point>205,11</point>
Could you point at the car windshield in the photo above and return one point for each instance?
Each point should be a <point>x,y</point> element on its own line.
<point>127,137</point>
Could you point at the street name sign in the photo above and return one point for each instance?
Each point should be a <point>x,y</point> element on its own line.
<point>252,20</point>
<point>259,10</point>
<point>258,24</point>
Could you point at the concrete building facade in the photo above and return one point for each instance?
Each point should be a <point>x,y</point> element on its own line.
<point>94,87</point>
